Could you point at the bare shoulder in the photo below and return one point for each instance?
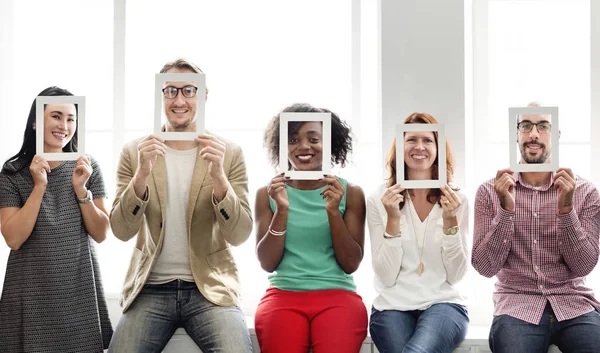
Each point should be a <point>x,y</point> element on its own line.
<point>261,192</point>
<point>355,193</point>
<point>262,207</point>
<point>262,197</point>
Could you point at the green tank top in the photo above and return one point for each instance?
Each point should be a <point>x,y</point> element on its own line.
<point>308,261</point>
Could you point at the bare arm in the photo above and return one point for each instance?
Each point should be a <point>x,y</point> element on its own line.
<point>94,214</point>
<point>269,247</point>
<point>17,223</point>
<point>347,233</point>
<point>95,219</point>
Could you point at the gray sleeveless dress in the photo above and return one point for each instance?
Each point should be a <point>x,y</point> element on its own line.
<point>53,300</point>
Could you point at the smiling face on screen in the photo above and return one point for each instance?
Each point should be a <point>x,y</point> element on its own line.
<point>305,147</point>
<point>60,124</point>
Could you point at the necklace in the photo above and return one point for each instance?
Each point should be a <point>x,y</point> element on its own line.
<point>421,266</point>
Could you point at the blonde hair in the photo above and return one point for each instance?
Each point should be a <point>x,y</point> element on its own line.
<point>181,64</point>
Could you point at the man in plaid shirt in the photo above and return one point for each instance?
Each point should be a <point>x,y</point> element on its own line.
<point>538,233</point>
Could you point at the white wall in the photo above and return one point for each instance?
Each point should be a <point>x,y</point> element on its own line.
<point>8,128</point>
<point>423,67</point>
<point>10,133</point>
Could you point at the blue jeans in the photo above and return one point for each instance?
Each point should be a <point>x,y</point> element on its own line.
<point>578,335</point>
<point>438,329</point>
<point>149,323</point>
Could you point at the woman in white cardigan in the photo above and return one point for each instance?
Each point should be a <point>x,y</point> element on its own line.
<point>419,250</point>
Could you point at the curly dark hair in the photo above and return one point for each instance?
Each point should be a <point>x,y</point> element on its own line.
<point>341,138</point>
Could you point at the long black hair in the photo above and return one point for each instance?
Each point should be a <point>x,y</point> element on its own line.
<point>25,155</point>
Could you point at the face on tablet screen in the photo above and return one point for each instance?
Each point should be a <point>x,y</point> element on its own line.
<point>305,145</point>
<point>420,152</point>
<point>534,137</point>
<point>60,126</point>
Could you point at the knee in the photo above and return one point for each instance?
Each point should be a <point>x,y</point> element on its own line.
<point>413,348</point>
<point>509,335</point>
<point>446,342</point>
<point>239,343</point>
<point>503,328</point>
<point>120,343</point>
<point>387,341</point>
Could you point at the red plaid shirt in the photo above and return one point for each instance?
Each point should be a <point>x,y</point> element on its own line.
<point>537,254</point>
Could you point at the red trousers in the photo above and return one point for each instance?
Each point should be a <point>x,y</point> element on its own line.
<point>328,321</point>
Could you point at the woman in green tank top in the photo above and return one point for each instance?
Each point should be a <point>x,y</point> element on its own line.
<point>310,236</point>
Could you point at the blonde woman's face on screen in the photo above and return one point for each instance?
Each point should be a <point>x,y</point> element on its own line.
<point>420,149</point>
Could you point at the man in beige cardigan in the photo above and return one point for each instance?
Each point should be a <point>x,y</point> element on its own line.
<point>186,202</point>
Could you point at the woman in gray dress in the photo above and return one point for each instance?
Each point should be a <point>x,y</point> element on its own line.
<point>52,299</point>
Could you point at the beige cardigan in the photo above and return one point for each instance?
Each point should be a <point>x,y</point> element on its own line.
<point>212,228</point>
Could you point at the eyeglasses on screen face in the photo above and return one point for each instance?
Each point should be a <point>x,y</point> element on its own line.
<point>543,127</point>
<point>187,91</point>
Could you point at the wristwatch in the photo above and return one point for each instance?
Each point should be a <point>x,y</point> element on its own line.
<point>451,231</point>
<point>86,199</point>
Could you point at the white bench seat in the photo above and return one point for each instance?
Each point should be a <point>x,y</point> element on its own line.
<point>476,342</point>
